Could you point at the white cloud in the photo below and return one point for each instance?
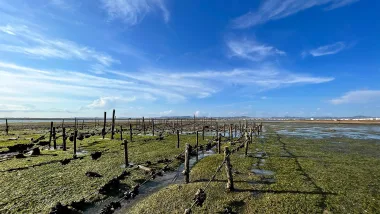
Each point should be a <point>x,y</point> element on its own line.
<point>252,50</point>
<point>133,12</point>
<point>197,113</point>
<point>278,9</point>
<point>34,44</point>
<point>358,97</point>
<point>166,113</point>
<point>108,102</point>
<point>328,49</point>
<point>12,107</point>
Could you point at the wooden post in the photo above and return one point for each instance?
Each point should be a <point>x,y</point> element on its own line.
<point>51,133</point>
<point>217,130</point>
<point>121,132</point>
<point>177,138</point>
<point>187,163</point>
<point>197,147</point>
<point>246,148</point>
<point>54,139</point>
<point>219,139</point>
<point>104,125</point>
<point>6,127</point>
<point>113,124</point>
<point>143,121</point>
<point>75,124</point>
<point>231,133</point>
<point>194,124</point>
<point>203,133</point>
<point>126,153</point>
<point>153,127</point>
<point>251,140</point>
<point>64,138</point>
<point>75,142</point>
<point>130,132</point>
<point>230,181</point>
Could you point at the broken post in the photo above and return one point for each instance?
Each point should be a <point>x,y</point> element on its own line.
<point>104,124</point>
<point>51,133</point>
<point>187,163</point>
<point>64,138</point>
<point>113,124</point>
<point>54,139</point>
<point>230,181</point>
<point>177,138</point>
<point>6,127</point>
<point>126,153</point>
<point>197,146</point>
<point>121,132</point>
<point>130,132</point>
<point>75,143</point>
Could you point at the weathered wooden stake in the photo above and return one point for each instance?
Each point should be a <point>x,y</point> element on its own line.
<point>126,153</point>
<point>203,133</point>
<point>194,124</point>
<point>230,180</point>
<point>113,124</point>
<point>197,147</point>
<point>104,125</point>
<point>153,127</point>
<point>121,132</point>
<point>187,164</point>
<point>246,148</point>
<point>75,142</point>
<point>6,127</point>
<point>217,130</point>
<point>64,138</point>
<point>130,132</point>
<point>51,133</point>
<point>54,139</point>
<point>219,139</point>
<point>177,138</point>
<point>143,121</point>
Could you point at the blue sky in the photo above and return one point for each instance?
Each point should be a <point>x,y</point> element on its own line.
<point>69,58</point>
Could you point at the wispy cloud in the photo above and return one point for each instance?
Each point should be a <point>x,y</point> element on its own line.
<point>252,50</point>
<point>133,12</point>
<point>29,42</point>
<point>108,102</point>
<point>327,49</point>
<point>278,9</point>
<point>166,113</point>
<point>358,97</point>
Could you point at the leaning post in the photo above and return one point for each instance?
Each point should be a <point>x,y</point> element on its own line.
<point>230,180</point>
<point>177,138</point>
<point>187,163</point>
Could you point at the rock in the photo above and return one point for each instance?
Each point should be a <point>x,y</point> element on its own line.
<point>65,161</point>
<point>20,155</point>
<point>93,174</point>
<point>36,151</point>
<point>96,155</point>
